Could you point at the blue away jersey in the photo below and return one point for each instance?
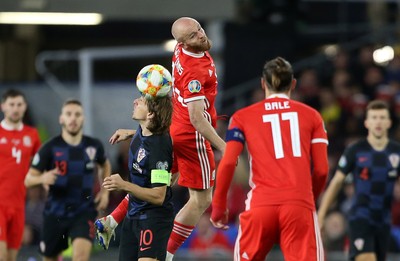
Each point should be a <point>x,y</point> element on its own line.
<point>145,154</point>
<point>73,191</point>
<point>374,174</point>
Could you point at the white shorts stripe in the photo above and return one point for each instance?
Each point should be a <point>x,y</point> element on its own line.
<point>203,160</point>
<point>318,240</point>
<point>236,253</point>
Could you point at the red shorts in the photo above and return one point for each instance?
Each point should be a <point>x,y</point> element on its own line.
<point>193,158</point>
<point>12,221</point>
<point>294,228</point>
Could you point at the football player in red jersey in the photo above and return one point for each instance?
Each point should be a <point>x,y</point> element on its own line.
<point>194,119</point>
<point>18,144</point>
<point>192,129</point>
<point>287,146</point>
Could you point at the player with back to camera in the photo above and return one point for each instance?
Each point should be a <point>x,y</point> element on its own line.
<point>374,162</point>
<point>18,144</point>
<point>66,165</point>
<point>287,146</point>
<point>192,129</point>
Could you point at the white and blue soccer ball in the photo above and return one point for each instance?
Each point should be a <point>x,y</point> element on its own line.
<point>154,80</point>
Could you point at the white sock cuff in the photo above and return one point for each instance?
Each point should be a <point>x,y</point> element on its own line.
<point>113,223</point>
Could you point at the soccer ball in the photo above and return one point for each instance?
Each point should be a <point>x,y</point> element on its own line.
<point>154,81</point>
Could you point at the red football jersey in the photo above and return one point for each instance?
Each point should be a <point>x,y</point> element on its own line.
<point>194,78</point>
<point>279,133</point>
<point>17,147</point>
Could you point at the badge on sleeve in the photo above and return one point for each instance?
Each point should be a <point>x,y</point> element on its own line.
<point>194,86</point>
<point>36,159</point>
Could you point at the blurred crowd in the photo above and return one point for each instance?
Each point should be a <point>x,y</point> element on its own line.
<point>339,89</point>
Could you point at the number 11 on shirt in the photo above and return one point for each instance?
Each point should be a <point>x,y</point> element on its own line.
<point>293,119</point>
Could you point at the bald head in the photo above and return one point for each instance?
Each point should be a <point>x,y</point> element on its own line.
<point>188,32</point>
<point>182,27</point>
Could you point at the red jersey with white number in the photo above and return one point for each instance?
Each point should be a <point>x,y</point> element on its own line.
<point>17,147</point>
<point>194,78</point>
<point>279,133</point>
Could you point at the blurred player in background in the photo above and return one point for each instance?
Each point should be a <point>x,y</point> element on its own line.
<point>375,164</point>
<point>148,224</point>
<point>67,165</point>
<point>18,144</point>
<point>287,146</point>
<point>193,126</point>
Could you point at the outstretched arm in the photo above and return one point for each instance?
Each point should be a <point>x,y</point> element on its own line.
<point>226,169</point>
<point>121,135</point>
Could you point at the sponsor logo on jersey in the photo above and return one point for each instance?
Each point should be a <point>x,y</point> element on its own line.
<point>394,160</point>
<point>141,155</point>
<point>91,152</point>
<point>3,140</point>
<point>144,248</point>
<point>194,86</point>
<point>27,141</point>
<point>162,165</point>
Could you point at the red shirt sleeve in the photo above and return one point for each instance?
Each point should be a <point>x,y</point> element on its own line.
<point>319,156</point>
<point>225,172</point>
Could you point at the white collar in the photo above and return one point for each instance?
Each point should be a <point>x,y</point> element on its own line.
<point>278,95</point>
<point>9,127</point>
<point>195,55</point>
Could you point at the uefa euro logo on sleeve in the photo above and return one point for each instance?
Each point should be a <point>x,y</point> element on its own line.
<point>194,86</point>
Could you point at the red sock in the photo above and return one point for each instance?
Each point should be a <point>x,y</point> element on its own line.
<point>178,235</point>
<point>119,212</point>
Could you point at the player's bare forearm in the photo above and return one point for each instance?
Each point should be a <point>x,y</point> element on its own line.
<point>121,135</point>
<point>208,132</point>
<point>203,126</point>
<point>154,196</point>
<point>102,198</point>
<point>36,177</point>
<point>105,169</point>
<point>330,195</point>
